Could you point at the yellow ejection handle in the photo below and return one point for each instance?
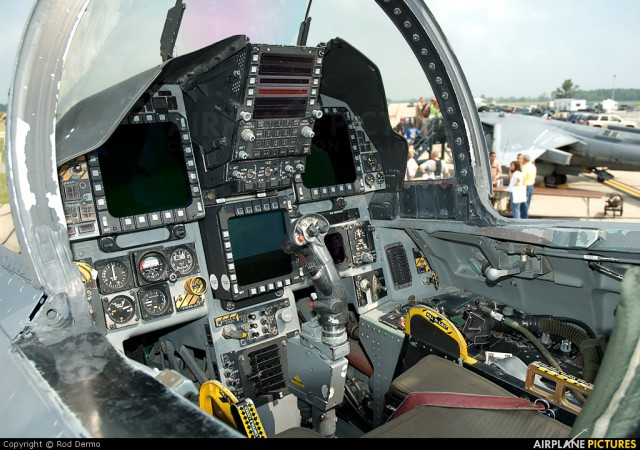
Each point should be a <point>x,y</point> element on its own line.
<point>216,399</point>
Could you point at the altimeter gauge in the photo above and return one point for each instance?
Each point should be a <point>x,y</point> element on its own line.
<point>154,302</point>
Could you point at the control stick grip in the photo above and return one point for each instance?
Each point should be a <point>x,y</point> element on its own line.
<point>307,233</point>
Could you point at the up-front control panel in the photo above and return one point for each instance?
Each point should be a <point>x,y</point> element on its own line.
<point>274,121</point>
<point>280,102</point>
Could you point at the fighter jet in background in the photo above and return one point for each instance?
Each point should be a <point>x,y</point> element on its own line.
<point>561,148</point>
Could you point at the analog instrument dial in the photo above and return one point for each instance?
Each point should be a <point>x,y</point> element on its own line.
<point>182,260</point>
<point>154,301</point>
<point>153,267</point>
<point>121,309</point>
<point>114,275</point>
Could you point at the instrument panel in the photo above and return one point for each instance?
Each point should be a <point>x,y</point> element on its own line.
<point>184,223</point>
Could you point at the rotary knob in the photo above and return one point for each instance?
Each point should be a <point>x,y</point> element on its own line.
<point>245,115</point>
<point>248,135</point>
<point>307,132</point>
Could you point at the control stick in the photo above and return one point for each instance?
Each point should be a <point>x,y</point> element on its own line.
<point>317,357</point>
<point>307,237</point>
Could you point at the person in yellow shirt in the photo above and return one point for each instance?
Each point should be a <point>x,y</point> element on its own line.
<point>530,172</point>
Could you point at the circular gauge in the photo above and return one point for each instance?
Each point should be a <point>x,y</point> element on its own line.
<point>114,275</point>
<point>120,309</point>
<point>152,267</point>
<point>181,260</point>
<point>154,301</point>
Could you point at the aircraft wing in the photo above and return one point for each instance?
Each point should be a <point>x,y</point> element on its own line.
<point>511,134</point>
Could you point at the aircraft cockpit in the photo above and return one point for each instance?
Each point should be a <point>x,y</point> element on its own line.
<point>234,209</point>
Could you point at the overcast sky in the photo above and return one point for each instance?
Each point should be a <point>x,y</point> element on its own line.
<point>506,47</point>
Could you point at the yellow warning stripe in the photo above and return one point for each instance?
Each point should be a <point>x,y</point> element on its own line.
<point>443,324</point>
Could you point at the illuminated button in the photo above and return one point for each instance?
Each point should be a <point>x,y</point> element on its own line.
<point>235,289</point>
<point>229,256</point>
<point>287,282</point>
<point>225,234</point>
<point>127,223</point>
<point>262,289</point>
<point>227,245</point>
<point>253,291</point>
<point>141,221</point>
<point>154,219</point>
<point>271,286</point>
<point>167,217</point>
<point>279,284</point>
<point>102,203</point>
<point>97,187</point>
<point>233,277</point>
<point>232,268</point>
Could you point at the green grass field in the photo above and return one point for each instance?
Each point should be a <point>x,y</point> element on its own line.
<point>4,196</point>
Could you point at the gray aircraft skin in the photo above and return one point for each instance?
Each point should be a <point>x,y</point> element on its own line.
<point>225,227</point>
<point>561,148</point>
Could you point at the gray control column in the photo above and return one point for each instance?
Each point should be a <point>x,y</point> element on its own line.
<point>317,358</point>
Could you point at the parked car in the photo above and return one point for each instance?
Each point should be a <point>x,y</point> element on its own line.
<point>604,120</point>
<point>625,107</point>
